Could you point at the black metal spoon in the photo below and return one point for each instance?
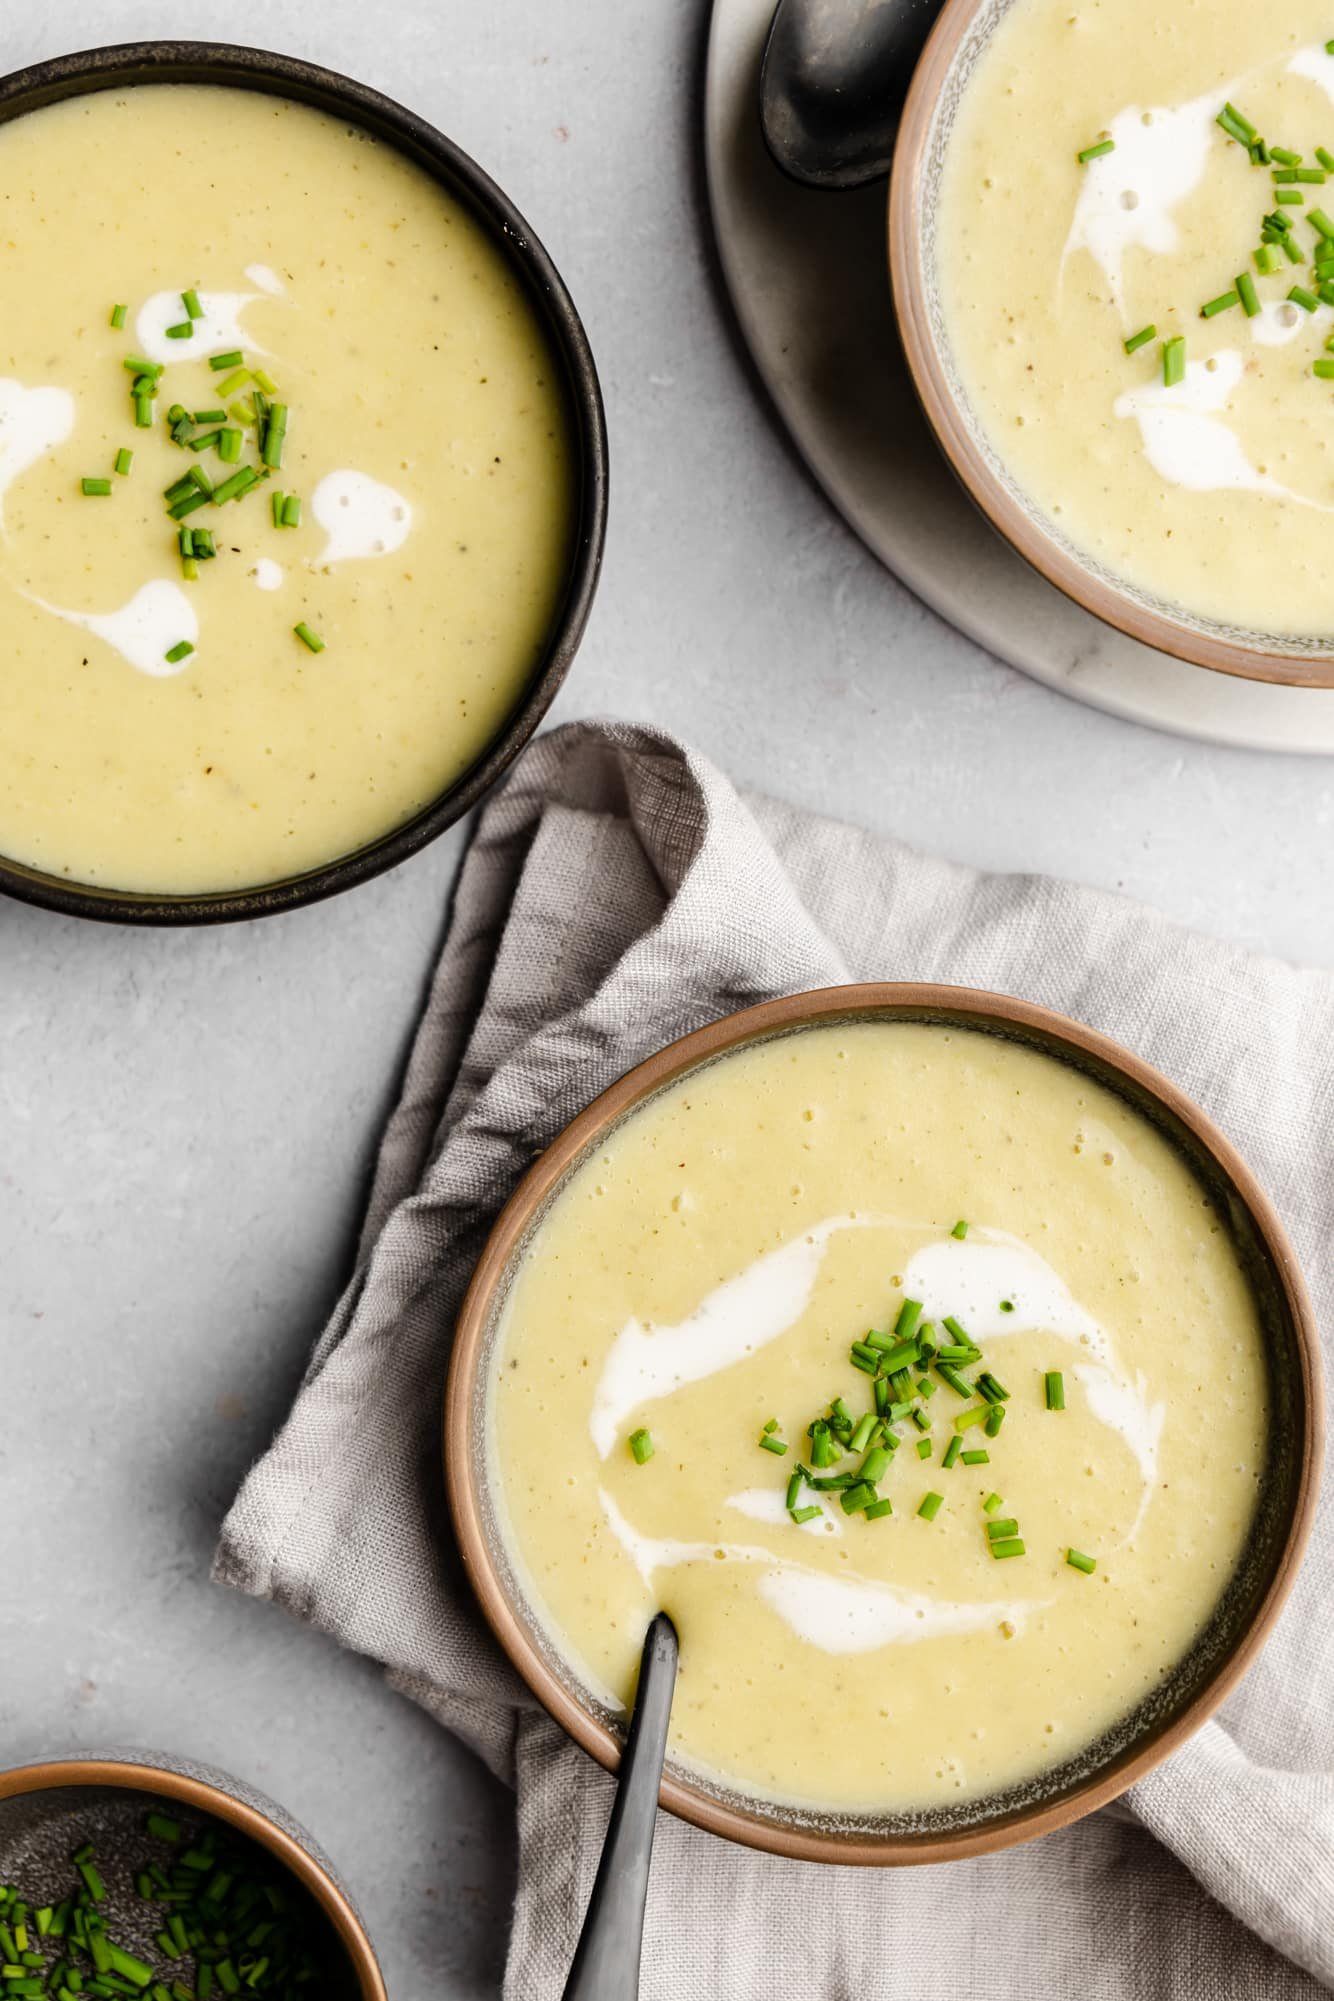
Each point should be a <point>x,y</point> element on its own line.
<point>832,85</point>
<point>606,1959</point>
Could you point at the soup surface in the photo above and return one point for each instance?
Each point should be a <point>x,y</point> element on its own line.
<point>707,1272</point>
<point>1213,494</point>
<point>169,731</point>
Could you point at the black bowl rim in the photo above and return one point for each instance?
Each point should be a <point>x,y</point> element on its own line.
<point>237,66</point>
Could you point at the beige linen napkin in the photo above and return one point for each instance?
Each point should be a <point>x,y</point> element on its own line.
<point>617,893</point>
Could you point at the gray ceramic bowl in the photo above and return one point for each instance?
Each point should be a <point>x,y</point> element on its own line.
<point>284,76</point>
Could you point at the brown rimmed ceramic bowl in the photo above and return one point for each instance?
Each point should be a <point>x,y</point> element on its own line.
<point>960,36</point>
<point>46,1808</point>
<point>1247,1610</point>
<point>284,76</point>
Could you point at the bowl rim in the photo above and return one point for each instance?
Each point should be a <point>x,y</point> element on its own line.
<point>906,1000</point>
<point>238,66</point>
<point>945,417</point>
<point>135,1774</point>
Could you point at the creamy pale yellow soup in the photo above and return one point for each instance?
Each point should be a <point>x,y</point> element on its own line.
<point>426,443</point>
<point>1216,495</point>
<point>707,1271</point>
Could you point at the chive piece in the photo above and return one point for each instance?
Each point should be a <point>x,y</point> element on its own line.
<point>96,1888</point>
<point>949,1374</point>
<point>229,446</point>
<point>641,1446</point>
<point>1312,177</point>
<point>1293,196</point>
<point>239,483</point>
<point>265,381</point>
<point>861,1436</point>
<point>180,651</point>
<point>1266,260</point>
<point>138,366</point>
<point>308,638</point>
<point>958,1351</point>
<point>1013,1546</point>
<point>1319,220</point>
<point>854,1498</point>
<point>1291,252</point>
<point>143,412</point>
<point>901,1357</point>
<point>1135,340</point>
<point>190,300</point>
<point>833,1483</point>
<point>768,1443</point>
<point>995,1391</point>
<point>1096,152</point>
<point>208,416</point>
<point>930,1506</point>
<point>995,1419</point>
<point>806,1514</point>
<point>770,1424</point>
<point>1242,123</point>
<point>1002,1529</point>
<point>876,1464</point>
<point>1078,1561</point>
<point>292,511</point>
<point>1283,176</point>
<point>1284,157</point>
<point>976,1458</point>
<point>992,1502</point>
<point>221,362</point>
<point>1246,292</point>
<point>1325,158</point>
<point>794,1486</point>
<point>968,1418</point>
<point>124,460</point>
<point>911,1310</point>
<point>183,330</point>
<point>924,1448</point>
<point>96,489</point>
<point>1326,291</point>
<point>277,501</point>
<point>1324,369</point>
<point>186,541</point>
<point>129,1967</point>
<point>875,1511</point>
<point>1222,304</point>
<point>960,1230</point>
<point>1301,297</point>
<point>864,1363</point>
<point>199,478</point>
<point>206,441</point>
<point>1261,153</point>
<point>1054,1384</point>
<point>187,505</point>
<point>952,1451</point>
<point>118,316</point>
<point>926,1389</point>
<point>1174,361</point>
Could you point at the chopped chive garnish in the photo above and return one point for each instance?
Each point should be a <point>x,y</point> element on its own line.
<point>960,1229</point>
<point>924,1448</point>
<point>234,382</point>
<point>1246,292</point>
<point>1096,152</point>
<point>1237,126</point>
<point>206,441</point>
<point>265,381</point>
<point>641,1446</point>
<point>1283,176</point>
<point>162,1827</point>
<point>854,1498</point>
<point>1319,220</point>
<point>190,300</point>
<point>183,330</point>
<point>143,412</point>
<point>1138,340</point>
<point>1284,157</point>
<point>995,1418</point>
<point>219,363</point>
<point>118,316</point>
<point>768,1443</point>
<point>992,1502</point>
<point>949,1374</point>
<point>794,1487</point>
<point>1290,251</point>
<point>1078,1561</point>
<point>976,1458</point>
<point>1012,1547</point>
<point>921,1420</point>
<point>806,1514</point>
<point>308,638</point>
<point>96,489</point>
<point>861,1436</point>
<point>239,483</point>
<point>1324,369</point>
<point>187,541</point>
<point>1174,361</point>
<point>968,1418</point>
<point>1266,260</point>
<point>952,1451</point>
<point>1325,158</point>
<point>926,1389</point>
<point>138,366</point>
<point>187,504</point>
<point>229,446</point>
<point>900,1357</point>
<point>911,1310</point>
<point>1007,1306</point>
<point>180,651</point>
<point>999,1530</point>
<point>930,1506</point>
<point>1292,196</point>
<point>292,511</point>
<point>875,1511</point>
<point>124,460</point>
<point>1312,177</point>
<point>1329,48</point>
<point>1301,297</point>
<point>1054,1385</point>
<point>992,1388</point>
<point>770,1424</point>
<point>206,416</point>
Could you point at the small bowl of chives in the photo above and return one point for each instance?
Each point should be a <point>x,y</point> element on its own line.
<point>143,1875</point>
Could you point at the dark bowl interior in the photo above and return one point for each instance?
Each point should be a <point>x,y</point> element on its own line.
<point>1240,1619</point>
<point>285,76</point>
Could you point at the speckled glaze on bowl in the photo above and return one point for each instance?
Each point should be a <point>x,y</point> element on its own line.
<point>1225,1649</point>
<point>284,76</point>
<point>958,40</point>
<point>55,1789</point>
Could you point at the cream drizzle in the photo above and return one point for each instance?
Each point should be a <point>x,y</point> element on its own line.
<point>143,630</point>
<point>32,423</point>
<point>361,516</point>
<point>219,329</point>
<point>1127,197</point>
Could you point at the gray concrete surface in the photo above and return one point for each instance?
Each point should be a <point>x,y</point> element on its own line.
<point>187,1122</point>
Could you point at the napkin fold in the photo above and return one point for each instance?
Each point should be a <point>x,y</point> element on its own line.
<point>617,893</point>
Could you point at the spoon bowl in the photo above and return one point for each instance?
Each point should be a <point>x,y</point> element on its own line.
<point>833,81</point>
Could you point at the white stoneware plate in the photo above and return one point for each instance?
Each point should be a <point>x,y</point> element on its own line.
<point>808,278</point>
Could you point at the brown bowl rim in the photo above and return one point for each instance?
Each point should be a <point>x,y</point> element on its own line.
<point>235,66</point>
<point>971,1007</point>
<point>941,408</point>
<point>132,1775</point>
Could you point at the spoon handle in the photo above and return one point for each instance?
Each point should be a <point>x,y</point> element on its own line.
<point>606,1960</point>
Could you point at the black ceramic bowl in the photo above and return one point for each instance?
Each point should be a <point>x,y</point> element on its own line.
<point>285,76</point>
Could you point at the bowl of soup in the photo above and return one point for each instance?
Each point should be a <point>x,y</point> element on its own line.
<point>303,482</point>
<point>1112,249</point>
<point>939,1369</point>
<point>133,1873</point>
